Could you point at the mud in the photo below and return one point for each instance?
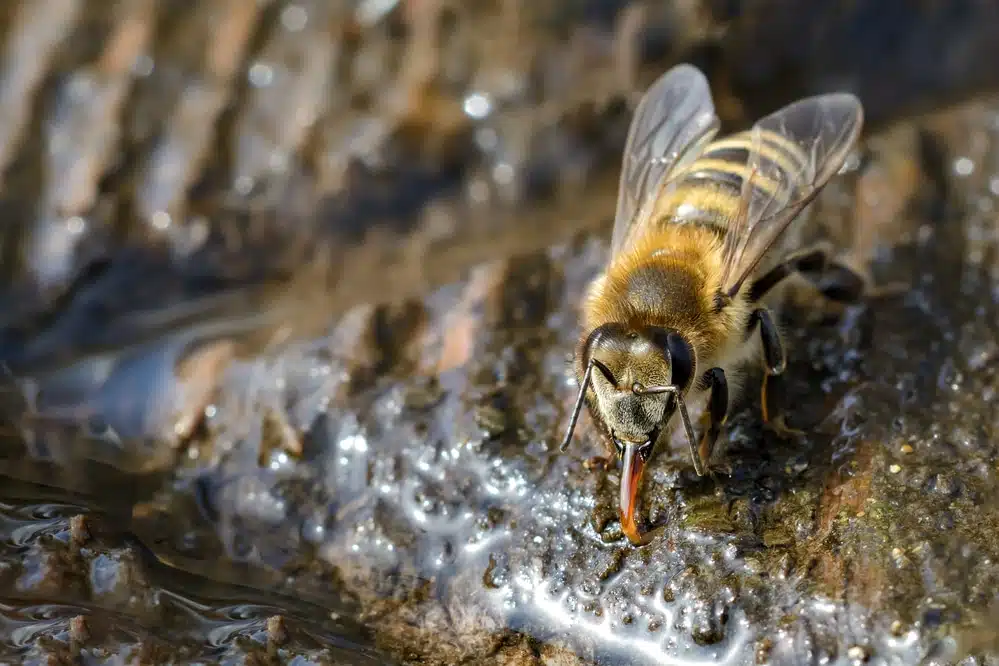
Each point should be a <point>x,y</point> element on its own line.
<point>290,293</point>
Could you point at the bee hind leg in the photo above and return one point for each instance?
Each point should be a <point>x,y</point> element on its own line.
<point>775,361</point>
<point>840,283</point>
<point>844,283</point>
<point>835,279</point>
<point>811,264</point>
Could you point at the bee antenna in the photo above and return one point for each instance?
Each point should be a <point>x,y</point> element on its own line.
<point>583,385</point>
<point>688,429</point>
<point>681,405</point>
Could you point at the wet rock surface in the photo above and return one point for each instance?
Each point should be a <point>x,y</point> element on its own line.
<point>241,431</point>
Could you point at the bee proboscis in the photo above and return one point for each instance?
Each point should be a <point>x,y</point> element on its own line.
<point>677,311</point>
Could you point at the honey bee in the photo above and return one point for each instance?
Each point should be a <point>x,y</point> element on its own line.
<point>677,313</point>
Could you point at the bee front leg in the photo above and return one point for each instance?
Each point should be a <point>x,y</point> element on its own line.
<point>775,361</point>
<point>716,413</point>
<point>598,463</point>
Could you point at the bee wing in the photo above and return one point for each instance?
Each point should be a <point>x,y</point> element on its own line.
<point>793,153</point>
<point>674,120</point>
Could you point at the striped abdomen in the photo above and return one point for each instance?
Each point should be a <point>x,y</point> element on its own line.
<point>707,192</point>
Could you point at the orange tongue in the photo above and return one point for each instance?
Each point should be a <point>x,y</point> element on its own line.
<point>632,467</point>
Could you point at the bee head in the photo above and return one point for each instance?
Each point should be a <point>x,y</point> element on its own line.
<point>639,375</point>
<point>626,358</point>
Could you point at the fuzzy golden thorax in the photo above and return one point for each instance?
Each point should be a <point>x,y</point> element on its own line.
<point>670,278</point>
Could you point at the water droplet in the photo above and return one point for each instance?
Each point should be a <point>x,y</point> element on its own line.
<point>857,653</point>
<point>354,443</point>
<point>76,225</point>
<point>278,163</point>
<point>478,191</point>
<point>963,166</point>
<point>294,18</point>
<point>486,139</point>
<point>478,105</point>
<point>261,75</point>
<point>503,173</point>
<point>161,220</point>
<point>372,11</point>
<point>243,185</point>
<point>143,65</point>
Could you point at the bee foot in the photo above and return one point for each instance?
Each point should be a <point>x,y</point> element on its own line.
<point>890,290</point>
<point>723,468</point>
<point>597,463</point>
<point>778,425</point>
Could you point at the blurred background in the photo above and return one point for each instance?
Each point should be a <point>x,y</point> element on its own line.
<point>288,292</point>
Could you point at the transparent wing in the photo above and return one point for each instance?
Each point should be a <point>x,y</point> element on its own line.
<point>790,155</point>
<point>674,120</point>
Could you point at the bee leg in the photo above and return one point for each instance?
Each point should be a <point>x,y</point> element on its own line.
<point>775,361</point>
<point>775,417</point>
<point>840,283</point>
<point>773,346</point>
<point>602,463</point>
<point>843,282</point>
<point>810,263</point>
<point>716,413</point>
<point>836,280</point>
